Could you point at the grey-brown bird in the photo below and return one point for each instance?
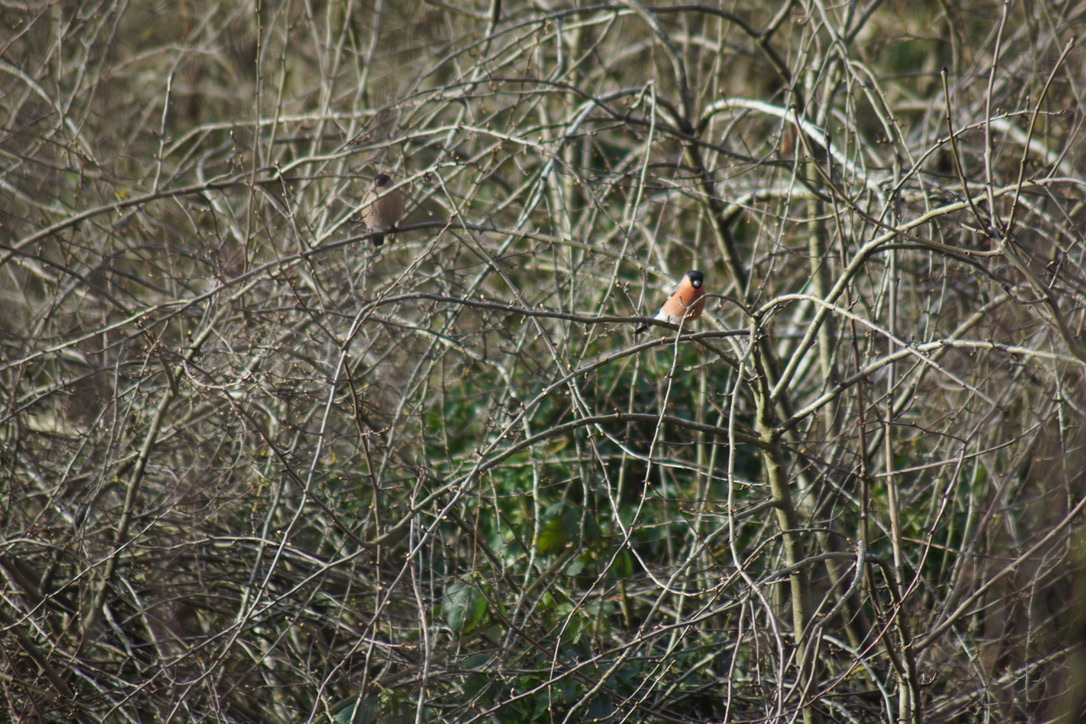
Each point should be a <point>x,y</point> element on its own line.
<point>382,208</point>
<point>688,300</point>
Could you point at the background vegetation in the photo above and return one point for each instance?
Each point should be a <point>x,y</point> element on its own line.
<point>256,470</point>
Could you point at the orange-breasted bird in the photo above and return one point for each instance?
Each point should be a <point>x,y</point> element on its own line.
<point>382,208</point>
<point>688,300</point>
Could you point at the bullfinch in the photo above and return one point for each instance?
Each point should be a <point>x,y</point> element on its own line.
<point>686,301</point>
<point>382,209</point>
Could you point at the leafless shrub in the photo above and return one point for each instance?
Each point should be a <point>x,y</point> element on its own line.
<point>257,470</point>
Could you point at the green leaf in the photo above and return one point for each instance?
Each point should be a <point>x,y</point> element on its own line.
<point>465,604</point>
<point>624,564</point>
<point>563,527</point>
<point>357,712</point>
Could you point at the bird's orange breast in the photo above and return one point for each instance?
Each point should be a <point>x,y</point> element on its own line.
<point>687,300</point>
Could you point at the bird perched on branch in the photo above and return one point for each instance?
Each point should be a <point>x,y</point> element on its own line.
<point>382,208</point>
<point>687,301</point>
